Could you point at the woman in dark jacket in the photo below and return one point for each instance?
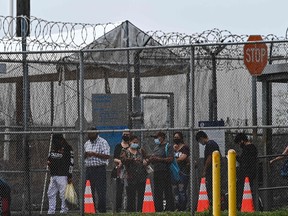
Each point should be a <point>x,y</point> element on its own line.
<point>120,169</point>
<point>182,153</point>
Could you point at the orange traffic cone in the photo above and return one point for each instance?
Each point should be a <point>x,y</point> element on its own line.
<point>203,201</point>
<point>148,203</point>
<point>247,200</point>
<point>88,199</point>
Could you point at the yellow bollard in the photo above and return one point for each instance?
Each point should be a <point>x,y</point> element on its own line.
<point>232,183</point>
<point>216,183</point>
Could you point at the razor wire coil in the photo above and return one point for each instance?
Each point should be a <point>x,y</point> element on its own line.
<point>53,35</point>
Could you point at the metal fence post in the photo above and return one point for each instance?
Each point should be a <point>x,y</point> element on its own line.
<point>216,176</point>
<point>193,179</point>
<point>26,112</point>
<point>232,182</point>
<point>81,135</point>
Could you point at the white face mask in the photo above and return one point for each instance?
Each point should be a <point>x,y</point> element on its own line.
<point>201,143</point>
<point>157,141</point>
<point>134,145</point>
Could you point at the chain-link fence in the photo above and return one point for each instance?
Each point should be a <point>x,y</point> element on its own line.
<point>171,88</point>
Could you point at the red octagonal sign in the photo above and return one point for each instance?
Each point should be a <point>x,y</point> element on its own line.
<point>255,55</point>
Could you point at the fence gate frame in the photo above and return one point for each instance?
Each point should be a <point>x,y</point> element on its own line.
<point>273,73</point>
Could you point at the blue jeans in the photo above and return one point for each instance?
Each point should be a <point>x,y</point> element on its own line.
<point>97,178</point>
<point>180,192</point>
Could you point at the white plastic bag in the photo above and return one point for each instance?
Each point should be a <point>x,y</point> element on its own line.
<point>70,194</point>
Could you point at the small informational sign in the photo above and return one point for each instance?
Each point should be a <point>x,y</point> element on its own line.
<point>217,135</point>
<point>109,112</point>
<point>3,69</point>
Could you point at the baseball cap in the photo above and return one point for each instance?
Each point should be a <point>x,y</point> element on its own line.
<point>159,134</point>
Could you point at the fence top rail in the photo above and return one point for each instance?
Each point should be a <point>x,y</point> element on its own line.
<point>70,131</point>
<point>146,48</point>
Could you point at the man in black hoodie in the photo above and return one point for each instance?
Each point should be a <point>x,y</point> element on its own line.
<point>247,165</point>
<point>60,162</point>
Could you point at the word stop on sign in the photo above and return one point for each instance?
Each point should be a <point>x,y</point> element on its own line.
<point>255,54</point>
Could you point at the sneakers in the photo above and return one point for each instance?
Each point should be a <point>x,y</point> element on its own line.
<point>64,211</point>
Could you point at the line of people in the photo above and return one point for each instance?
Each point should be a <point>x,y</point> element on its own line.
<point>133,163</point>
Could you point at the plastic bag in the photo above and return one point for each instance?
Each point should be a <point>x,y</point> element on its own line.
<point>175,171</point>
<point>174,168</point>
<point>70,194</point>
<point>123,173</point>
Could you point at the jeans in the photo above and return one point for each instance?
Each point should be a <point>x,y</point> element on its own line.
<point>180,192</point>
<point>97,177</point>
<point>208,178</point>
<point>57,184</point>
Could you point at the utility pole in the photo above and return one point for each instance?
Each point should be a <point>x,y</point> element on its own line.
<point>23,30</point>
<point>23,10</point>
<point>11,6</point>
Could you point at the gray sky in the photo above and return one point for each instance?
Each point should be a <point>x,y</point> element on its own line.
<point>185,16</point>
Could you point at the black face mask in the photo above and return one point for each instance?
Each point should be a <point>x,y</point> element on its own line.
<point>177,141</point>
<point>242,145</point>
<point>125,138</point>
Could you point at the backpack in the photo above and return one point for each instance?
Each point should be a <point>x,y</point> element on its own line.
<point>174,168</point>
<point>284,169</point>
<point>5,198</point>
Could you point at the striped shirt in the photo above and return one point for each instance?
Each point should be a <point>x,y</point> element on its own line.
<point>99,145</point>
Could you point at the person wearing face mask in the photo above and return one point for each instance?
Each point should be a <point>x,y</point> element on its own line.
<point>210,147</point>
<point>135,162</point>
<point>120,168</point>
<point>162,179</point>
<point>247,165</point>
<point>182,153</point>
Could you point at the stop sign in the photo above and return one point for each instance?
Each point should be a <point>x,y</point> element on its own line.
<point>255,55</point>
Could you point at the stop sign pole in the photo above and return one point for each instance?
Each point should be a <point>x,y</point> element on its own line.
<point>255,60</point>
<point>255,55</point>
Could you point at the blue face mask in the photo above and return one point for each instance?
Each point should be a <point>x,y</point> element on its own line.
<point>134,145</point>
<point>157,141</point>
